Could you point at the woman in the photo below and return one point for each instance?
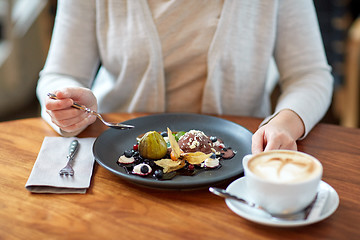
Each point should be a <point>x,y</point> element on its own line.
<point>188,56</point>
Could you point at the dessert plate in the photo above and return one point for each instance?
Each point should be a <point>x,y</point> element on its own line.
<point>238,187</point>
<point>111,144</point>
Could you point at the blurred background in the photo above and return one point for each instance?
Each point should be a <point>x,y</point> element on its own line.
<point>25,34</point>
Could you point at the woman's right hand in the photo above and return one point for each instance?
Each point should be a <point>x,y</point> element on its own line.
<point>71,119</point>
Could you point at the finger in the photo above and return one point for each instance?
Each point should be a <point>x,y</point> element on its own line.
<point>66,122</point>
<point>57,104</point>
<point>291,145</point>
<point>75,94</point>
<point>272,144</point>
<point>80,125</point>
<point>258,141</point>
<point>67,113</point>
<point>75,122</point>
<point>280,141</point>
<point>63,93</point>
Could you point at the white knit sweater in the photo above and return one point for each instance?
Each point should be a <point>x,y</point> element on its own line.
<point>123,37</point>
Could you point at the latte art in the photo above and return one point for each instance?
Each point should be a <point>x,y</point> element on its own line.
<point>284,168</point>
<point>282,181</point>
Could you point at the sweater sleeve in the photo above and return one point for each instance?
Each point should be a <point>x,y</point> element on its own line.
<point>305,80</point>
<point>73,56</point>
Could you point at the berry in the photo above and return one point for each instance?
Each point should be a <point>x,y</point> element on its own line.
<point>164,134</point>
<point>128,153</point>
<point>213,139</point>
<point>144,169</point>
<point>158,174</point>
<point>191,167</point>
<point>213,156</point>
<point>135,147</point>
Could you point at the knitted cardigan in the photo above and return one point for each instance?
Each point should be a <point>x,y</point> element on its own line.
<point>123,37</point>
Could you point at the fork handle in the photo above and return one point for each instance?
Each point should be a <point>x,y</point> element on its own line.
<point>84,108</point>
<point>75,105</point>
<point>73,148</point>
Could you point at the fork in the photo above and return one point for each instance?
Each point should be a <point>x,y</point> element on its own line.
<point>88,110</point>
<point>68,170</point>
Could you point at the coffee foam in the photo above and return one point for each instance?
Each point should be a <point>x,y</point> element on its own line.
<point>284,167</point>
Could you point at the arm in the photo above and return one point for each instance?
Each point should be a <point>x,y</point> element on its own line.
<point>305,78</point>
<point>72,60</point>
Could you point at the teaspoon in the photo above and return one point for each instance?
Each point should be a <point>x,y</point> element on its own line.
<point>291,216</point>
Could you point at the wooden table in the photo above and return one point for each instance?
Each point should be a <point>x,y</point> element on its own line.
<point>115,209</point>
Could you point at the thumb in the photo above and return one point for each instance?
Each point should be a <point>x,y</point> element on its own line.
<point>63,93</point>
<point>258,141</point>
<point>79,95</point>
<point>73,93</point>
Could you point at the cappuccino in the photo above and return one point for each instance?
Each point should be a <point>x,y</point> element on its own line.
<point>285,167</point>
<point>282,181</point>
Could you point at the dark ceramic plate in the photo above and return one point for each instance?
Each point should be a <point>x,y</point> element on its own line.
<point>112,143</point>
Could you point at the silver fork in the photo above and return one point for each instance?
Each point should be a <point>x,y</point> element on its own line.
<point>68,170</point>
<point>88,110</point>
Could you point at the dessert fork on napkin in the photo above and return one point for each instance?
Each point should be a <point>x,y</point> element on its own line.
<point>45,177</point>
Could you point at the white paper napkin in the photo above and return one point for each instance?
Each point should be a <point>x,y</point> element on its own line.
<point>45,177</point>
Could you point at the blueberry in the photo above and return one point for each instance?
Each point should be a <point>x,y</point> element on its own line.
<point>144,169</point>
<point>158,174</point>
<point>213,139</point>
<point>128,153</point>
<point>213,156</point>
<point>164,134</point>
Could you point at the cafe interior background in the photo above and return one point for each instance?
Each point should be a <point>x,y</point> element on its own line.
<point>25,34</point>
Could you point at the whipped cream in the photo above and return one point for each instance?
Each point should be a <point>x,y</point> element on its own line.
<point>211,162</point>
<point>126,160</point>
<point>138,169</point>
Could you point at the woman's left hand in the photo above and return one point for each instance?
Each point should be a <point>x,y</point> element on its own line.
<point>281,132</point>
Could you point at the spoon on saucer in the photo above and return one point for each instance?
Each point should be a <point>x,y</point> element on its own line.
<point>88,110</point>
<point>301,215</point>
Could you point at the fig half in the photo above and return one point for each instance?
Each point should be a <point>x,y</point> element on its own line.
<point>152,146</point>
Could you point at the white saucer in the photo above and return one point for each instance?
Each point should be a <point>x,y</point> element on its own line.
<point>238,187</point>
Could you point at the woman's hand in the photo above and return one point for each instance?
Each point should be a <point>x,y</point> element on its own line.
<point>281,132</point>
<point>70,119</point>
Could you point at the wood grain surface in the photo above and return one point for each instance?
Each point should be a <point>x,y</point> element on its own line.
<point>115,209</point>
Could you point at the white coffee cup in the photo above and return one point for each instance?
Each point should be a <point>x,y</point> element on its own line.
<point>282,181</point>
